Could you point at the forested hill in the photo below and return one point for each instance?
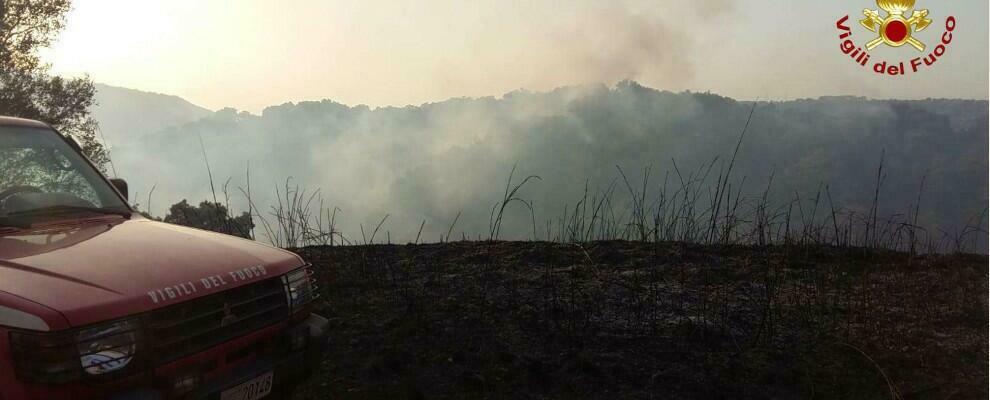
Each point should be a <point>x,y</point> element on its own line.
<point>126,114</point>
<point>433,161</point>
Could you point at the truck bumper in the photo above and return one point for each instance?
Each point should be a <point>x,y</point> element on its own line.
<point>300,351</point>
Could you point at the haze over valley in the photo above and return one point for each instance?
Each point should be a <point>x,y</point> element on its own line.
<point>434,161</point>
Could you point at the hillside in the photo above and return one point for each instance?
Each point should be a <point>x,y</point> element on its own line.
<point>629,320</point>
<point>125,115</point>
<point>450,160</point>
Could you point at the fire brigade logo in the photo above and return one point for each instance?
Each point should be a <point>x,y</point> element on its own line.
<point>895,24</point>
<point>895,30</point>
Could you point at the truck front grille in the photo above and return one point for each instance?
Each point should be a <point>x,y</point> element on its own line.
<point>187,328</point>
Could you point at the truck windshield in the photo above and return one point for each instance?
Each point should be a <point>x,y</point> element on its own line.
<point>42,177</point>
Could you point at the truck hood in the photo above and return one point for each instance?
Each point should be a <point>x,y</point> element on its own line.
<point>108,268</point>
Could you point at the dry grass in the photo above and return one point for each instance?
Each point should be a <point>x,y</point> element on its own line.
<point>685,288</point>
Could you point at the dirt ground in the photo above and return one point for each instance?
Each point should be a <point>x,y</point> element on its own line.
<point>611,320</point>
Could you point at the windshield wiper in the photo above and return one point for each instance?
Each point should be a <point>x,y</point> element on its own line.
<point>61,209</point>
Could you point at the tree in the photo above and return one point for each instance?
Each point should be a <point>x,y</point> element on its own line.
<point>210,216</point>
<point>28,90</point>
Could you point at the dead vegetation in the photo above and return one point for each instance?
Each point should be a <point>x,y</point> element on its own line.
<point>619,319</point>
<point>685,288</point>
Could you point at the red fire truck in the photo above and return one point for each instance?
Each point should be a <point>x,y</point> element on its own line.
<point>98,302</point>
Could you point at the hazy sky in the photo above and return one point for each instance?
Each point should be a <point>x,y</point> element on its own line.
<point>250,54</point>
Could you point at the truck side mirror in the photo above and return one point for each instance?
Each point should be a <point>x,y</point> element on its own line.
<point>121,186</point>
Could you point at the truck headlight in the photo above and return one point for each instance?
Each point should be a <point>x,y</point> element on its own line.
<point>68,356</point>
<point>107,348</point>
<point>300,287</point>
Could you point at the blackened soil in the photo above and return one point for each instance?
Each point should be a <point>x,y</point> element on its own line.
<point>638,320</point>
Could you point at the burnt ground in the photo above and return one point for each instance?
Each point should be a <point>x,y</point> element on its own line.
<point>639,320</point>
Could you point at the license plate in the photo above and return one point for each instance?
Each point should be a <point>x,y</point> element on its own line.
<point>251,390</point>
